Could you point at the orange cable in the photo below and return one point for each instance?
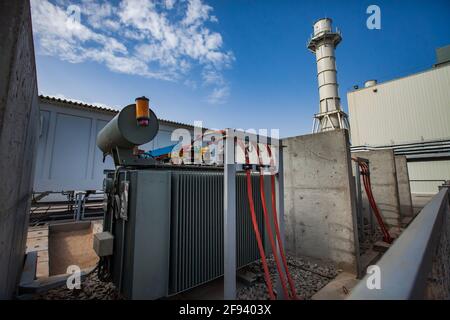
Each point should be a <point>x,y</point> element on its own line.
<point>256,229</point>
<point>277,229</point>
<point>269,229</point>
<point>368,187</point>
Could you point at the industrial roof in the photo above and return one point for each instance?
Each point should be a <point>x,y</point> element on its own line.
<point>429,69</point>
<point>111,110</point>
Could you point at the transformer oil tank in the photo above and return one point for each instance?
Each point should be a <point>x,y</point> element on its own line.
<point>124,131</point>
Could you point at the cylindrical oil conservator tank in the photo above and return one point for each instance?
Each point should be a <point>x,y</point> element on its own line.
<point>123,131</point>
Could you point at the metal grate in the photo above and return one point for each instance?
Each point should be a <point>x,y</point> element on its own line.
<point>197,227</point>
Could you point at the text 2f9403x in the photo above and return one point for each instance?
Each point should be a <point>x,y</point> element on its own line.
<point>237,309</point>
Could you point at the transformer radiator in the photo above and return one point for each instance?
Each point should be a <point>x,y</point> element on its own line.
<point>173,239</point>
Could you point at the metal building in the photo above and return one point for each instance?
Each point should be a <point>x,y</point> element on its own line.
<point>410,115</point>
<point>68,158</point>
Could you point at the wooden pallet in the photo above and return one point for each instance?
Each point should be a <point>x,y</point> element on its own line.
<point>37,240</point>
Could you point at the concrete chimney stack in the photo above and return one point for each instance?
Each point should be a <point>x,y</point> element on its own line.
<point>323,43</point>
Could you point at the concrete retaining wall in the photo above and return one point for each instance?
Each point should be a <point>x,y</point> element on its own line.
<point>404,190</point>
<point>383,177</point>
<point>19,122</point>
<point>320,211</point>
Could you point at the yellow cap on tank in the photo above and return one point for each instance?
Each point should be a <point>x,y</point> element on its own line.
<point>142,111</point>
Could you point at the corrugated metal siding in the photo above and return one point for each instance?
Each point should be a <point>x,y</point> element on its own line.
<point>428,170</point>
<point>68,157</point>
<point>197,227</point>
<point>410,109</point>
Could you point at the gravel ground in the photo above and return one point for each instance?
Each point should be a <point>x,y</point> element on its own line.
<point>91,289</point>
<point>309,278</point>
<point>369,239</point>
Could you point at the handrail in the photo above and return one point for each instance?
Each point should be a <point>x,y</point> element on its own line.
<point>405,267</point>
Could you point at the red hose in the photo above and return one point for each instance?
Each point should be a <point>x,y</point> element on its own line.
<point>269,229</point>
<point>277,228</point>
<point>368,187</point>
<point>256,229</point>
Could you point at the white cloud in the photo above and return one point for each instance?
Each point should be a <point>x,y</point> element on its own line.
<point>196,13</point>
<point>161,39</point>
<point>99,15</point>
<point>212,77</point>
<point>219,95</point>
<point>169,4</point>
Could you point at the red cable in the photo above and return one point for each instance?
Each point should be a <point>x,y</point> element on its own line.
<point>386,236</point>
<point>269,229</point>
<point>277,229</point>
<point>256,229</point>
<point>368,187</point>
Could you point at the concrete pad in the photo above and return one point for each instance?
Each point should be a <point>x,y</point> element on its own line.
<point>42,255</point>
<point>38,233</point>
<point>404,190</point>
<point>42,269</point>
<point>383,176</point>
<point>37,244</point>
<point>337,289</point>
<point>319,202</point>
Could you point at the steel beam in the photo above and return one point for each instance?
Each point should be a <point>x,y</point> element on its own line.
<point>229,210</point>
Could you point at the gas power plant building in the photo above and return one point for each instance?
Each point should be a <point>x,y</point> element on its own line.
<point>410,115</point>
<point>302,217</point>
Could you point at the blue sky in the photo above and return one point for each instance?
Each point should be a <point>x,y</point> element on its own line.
<point>241,64</point>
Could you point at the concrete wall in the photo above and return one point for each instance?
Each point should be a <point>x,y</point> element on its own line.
<point>383,177</point>
<point>320,211</point>
<point>404,190</point>
<point>19,115</point>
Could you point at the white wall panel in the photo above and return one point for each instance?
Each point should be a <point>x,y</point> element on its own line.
<point>68,157</point>
<point>426,171</point>
<point>411,109</point>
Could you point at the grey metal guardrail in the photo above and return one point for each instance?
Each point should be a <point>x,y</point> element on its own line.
<point>406,269</point>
